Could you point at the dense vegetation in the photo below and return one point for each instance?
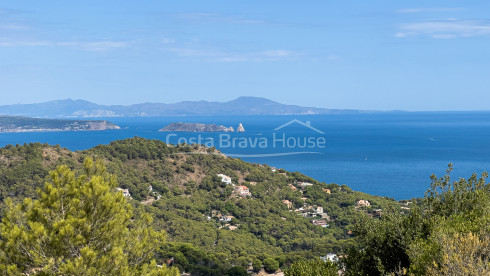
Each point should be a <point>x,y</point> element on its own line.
<point>446,232</point>
<point>187,199</point>
<point>79,225</point>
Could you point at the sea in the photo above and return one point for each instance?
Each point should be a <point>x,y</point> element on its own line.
<point>391,154</point>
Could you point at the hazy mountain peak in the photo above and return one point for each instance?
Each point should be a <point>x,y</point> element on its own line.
<point>246,105</point>
<point>251,100</point>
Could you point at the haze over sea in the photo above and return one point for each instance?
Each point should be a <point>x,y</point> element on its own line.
<point>387,154</point>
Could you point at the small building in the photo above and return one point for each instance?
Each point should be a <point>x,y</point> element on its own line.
<point>327,191</point>
<point>225,179</point>
<point>124,191</point>
<point>242,191</point>
<point>325,216</point>
<point>304,184</point>
<point>150,188</point>
<point>226,218</point>
<point>319,210</point>
<point>273,169</point>
<point>363,203</point>
<point>292,187</point>
<point>377,212</point>
<point>330,257</point>
<point>288,203</point>
<point>320,222</point>
<point>232,227</point>
<point>311,215</point>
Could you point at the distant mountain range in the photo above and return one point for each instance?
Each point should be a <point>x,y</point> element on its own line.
<point>239,106</point>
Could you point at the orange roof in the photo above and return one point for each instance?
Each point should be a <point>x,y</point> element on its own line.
<point>243,187</point>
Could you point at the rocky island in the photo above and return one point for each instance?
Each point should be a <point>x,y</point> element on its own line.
<point>196,127</point>
<point>26,124</point>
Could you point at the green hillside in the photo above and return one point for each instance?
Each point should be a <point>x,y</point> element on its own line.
<point>188,198</point>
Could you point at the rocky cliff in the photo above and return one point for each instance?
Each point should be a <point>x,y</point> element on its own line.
<point>196,127</point>
<point>240,128</point>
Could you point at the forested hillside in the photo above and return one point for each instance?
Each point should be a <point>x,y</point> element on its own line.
<point>211,225</point>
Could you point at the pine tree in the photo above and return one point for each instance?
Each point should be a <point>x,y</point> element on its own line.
<point>79,225</point>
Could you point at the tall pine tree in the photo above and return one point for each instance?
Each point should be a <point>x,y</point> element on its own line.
<point>79,225</point>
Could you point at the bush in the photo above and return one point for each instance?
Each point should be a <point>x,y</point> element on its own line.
<point>271,265</point>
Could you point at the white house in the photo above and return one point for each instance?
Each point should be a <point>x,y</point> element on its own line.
<point>331,257</point>
<point>319,210</point>
<point>224,178</point>
<point>304,184</point>
<point>124,191</point>
<point>226,218</point>
<point>363,202</point>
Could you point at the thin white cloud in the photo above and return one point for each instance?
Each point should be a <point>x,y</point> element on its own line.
<point>213,17</point>
<point>11,26</point>
<point>444,29</point>
<point>32,43</point>
<point>226,56</point>
<point>420,10</point>
<point>94,46</point>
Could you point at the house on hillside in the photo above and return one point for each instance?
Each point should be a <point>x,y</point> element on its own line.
<point>242,191</point>
<point>363,203</point>
<point>320,222</point>
<point>304,184</point>
<point>319,210</point>
<point>325,216</point>
<point>330,257</point>
<point>124,191</point>
<point>225,179</point>
<point>226,218</point>
<point>327,191</point>
<point>288,203</point>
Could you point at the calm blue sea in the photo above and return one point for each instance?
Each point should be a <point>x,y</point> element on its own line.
<point>388,154</point>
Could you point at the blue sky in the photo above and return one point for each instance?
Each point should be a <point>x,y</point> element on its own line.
<point>385,55</point>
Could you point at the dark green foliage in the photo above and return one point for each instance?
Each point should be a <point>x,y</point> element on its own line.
<point>271,265</point>
<point>313,268</point>
<point>236,271</point>
<point>422,241</point>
